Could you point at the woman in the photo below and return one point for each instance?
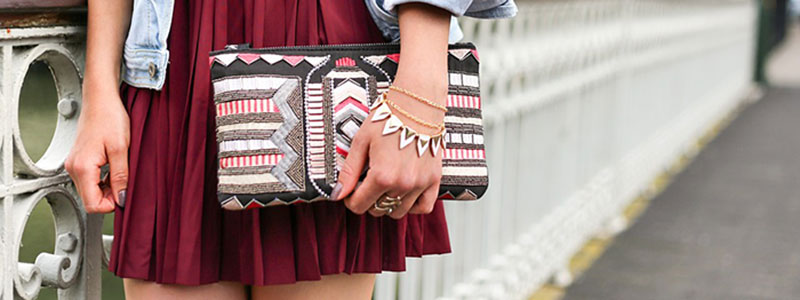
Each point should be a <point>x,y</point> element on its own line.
<point>156,133</point>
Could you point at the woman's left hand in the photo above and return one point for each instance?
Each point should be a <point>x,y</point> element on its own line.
<point>395,172</point>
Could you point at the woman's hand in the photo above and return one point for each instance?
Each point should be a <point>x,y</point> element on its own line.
<point>103,137</point>
<point>392,171</point>
<point>396,172</point>
<point>103,127</point>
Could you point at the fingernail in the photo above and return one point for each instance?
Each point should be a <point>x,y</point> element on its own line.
<point>337,189</point>
<point>122,195</point>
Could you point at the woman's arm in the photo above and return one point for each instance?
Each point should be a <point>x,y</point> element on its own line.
<point>103,127</point>
<point>394,172</point>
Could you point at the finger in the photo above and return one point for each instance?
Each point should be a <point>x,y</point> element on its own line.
<point>86,176</point>
<point>406,201</point>
<point>352,168</point>
<point>426,201</point>
<point>118,172</point>
<point>365,195</point>
<point>106,204</point>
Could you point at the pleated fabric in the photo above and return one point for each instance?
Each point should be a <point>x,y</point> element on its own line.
<point>172,229</point>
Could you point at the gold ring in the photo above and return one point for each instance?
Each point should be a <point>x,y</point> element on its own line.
<point>387,209</point>
<point>388,201</point>
<point>387,204</point>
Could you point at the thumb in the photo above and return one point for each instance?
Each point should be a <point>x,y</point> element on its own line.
<point>118,173</point>
<point>352,168</point>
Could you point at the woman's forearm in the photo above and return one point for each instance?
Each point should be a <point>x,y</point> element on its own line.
<point>104,125</point>
<point>107,29</point>
<point>424,32</point>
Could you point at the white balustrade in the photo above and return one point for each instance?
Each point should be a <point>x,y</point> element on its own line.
<point>73,267</point>
<point>586,101</point>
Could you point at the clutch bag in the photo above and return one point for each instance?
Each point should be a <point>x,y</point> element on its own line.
<point>285,118</point>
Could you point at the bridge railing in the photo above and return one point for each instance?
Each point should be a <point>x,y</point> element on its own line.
<point>586,102</point>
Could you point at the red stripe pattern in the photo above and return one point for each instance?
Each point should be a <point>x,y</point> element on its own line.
<point>250,160</point>
<point>463,101</point>
<point>464,154</point>
<point>345,61</point>
<point>247,106</point>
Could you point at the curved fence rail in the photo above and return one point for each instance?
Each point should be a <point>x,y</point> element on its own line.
<point>586,101</point>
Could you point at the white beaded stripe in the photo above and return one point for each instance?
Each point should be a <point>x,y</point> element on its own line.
<point>347,74</point>
<point>246,106</point>
<point>463,138</point>
<point>462,120</point>
<point>250,160</point>
<point>315,127</point>
<point>249,126</point>
<point>247,83</point>
<point>464,79</point>
<point>464,171</point>
<point>455,78</point>
<point>247,179</point>
<point>454,154</point>
<point>244,145</point>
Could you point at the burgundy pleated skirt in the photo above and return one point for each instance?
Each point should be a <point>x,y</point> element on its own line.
<point>172,229</point>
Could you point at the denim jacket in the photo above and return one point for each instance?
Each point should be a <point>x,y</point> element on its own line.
<point>145,54</point>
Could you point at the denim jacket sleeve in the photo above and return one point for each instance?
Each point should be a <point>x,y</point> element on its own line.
<point>385,15</point>
<point>145,54</point>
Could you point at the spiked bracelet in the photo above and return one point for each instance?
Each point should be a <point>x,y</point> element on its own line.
<point>407,135</point>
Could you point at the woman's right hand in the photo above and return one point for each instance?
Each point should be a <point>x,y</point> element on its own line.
<point>103,137</point>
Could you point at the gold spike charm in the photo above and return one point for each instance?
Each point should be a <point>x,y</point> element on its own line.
<point>381,112</point>
<point>393,124</point>
<point>407,136</point>
<point>435,143</point>
<point>423,141</point>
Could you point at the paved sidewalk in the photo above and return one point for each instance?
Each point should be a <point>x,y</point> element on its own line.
<point>727,228</point>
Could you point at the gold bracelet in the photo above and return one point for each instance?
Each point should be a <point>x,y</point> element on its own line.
<point>418,98</point>
<point>414,118</point>
<point>381,111</point>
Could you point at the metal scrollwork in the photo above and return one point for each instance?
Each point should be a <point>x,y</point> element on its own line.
<point>59,269</point>
<point>73,267</point>
<point>68,85</point>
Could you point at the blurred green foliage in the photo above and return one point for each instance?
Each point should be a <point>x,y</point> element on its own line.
<point>37,120</point>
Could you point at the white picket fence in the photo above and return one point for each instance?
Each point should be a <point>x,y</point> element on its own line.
<point>587,101</point>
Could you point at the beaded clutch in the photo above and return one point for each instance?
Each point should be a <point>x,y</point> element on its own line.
<point>285,118</point>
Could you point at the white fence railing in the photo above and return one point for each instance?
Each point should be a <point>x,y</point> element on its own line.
<point>73,267</point>
<point>586,101</point>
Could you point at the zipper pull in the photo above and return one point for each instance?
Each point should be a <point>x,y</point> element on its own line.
<point>237,46</point>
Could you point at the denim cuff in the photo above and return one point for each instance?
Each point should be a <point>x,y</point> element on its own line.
<point>455,7</point>
<point>506,9</point>
<point>145,68</point>
<point>389,26</point>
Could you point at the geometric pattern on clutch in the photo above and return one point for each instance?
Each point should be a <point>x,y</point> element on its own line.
<point>286,119</point>
<point>289,137</point>
<point>350,99</point>
<point>260,134</point>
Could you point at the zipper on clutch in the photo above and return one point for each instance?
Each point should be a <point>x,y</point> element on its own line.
<point>362,46</point>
